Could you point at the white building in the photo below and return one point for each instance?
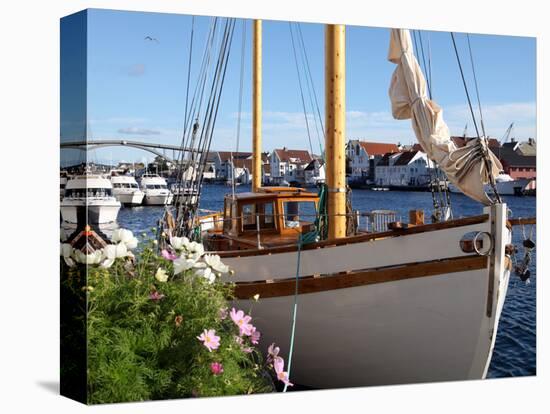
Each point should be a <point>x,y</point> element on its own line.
<point>409,168</point>
<point>363,156</point>
<point>314,173</point>
<point>289,165</point>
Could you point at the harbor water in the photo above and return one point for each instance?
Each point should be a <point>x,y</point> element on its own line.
<point>515,349</point>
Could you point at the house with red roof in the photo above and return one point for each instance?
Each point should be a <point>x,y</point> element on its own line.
<point>363,157</point>
<point>289,164</point>
<point>407,168</point>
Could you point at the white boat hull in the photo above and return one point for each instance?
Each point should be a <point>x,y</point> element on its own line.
<point>132,199</point>
<point>514,187</point>
<point>435,327</point>
<point>98,213</point>
<point>157,199</point>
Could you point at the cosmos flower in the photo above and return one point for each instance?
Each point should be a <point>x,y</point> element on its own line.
<point>156,296</point>
<point>216,368</point>
<point>214,261</point>
<point>255,336</point>
<point>242,321</point>
<point>207,273</point>
<point>209,339</point>
<point>126,237</point>
<point>272,353</point>
<point>168,255</point>
<point>179,243</point>
<point>66,252</point>
<point>182,264</point>
<point>161,275</point>
<point>282,375</point>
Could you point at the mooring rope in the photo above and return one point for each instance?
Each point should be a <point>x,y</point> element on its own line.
<point>295,310</point>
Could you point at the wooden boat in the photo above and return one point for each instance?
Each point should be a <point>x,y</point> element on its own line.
<point>401,303</point>
<point>373,308</point>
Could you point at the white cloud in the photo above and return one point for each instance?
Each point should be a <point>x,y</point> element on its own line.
<point>138,131</point>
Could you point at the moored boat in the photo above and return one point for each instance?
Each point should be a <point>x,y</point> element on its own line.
<point>156,190</point>
<point>396,303</point>
<point>92,193</point>
<point>126,190</point>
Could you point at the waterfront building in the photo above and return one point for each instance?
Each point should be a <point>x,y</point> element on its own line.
<point>314,173</point>
<point>289,165</point>
<point>407,168</point>
<point>364,156</point>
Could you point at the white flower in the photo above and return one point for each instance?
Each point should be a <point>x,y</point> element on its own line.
<point>121,250</point>
<point>66,252</point>
<point>207,273</point>
<point>195,250</point>
<point>126,237</point>
<point>132,244</point>
<point>214,261</point>
<point>112,252</point>
<point>92,258</point>
<point>181,264</point>
<point>179,243</point>
<point>161,275</point>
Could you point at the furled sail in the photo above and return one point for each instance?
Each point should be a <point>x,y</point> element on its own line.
<point>469,167</point>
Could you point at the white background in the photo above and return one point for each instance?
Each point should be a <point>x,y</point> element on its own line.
<point>29,134</point>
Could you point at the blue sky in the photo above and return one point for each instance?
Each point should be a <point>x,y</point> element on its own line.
<point>136,88</point>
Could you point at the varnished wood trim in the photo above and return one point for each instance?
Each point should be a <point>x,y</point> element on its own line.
<point>359,238</point>
<point>312,284</point>
<point>518,221</point>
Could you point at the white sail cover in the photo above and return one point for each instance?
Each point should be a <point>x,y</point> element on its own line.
<point>465,167</point>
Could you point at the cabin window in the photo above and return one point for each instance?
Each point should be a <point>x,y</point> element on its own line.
<point>263,212</point>
<point>296,212</point>
<point>248,213</point>
<point>227,216</point>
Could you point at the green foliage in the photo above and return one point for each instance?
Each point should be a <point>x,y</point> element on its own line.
<point>140,349</point>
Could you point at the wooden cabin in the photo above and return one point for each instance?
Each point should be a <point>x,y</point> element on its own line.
<point>270,217</point>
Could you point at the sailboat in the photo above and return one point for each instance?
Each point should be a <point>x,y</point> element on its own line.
<point>402,303</point>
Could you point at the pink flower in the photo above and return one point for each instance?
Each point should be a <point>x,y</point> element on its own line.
<point>272,352</point>
<point>209,339</point>
<point>255,336</point>
<point>155,296</point>
<point>242,321</point>
<point>239,340</point>
<point>282,376</point>
<point>247,350</point>
<point>216,368</point>
<point>168,255</point>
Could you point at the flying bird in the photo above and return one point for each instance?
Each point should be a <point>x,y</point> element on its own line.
<point>152,39</point>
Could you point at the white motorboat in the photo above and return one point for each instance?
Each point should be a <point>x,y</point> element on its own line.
<point>156,190</point>
<point>505,185</point>
<point>93,195</point>
<point>126,190</point>
<point>63,178</point>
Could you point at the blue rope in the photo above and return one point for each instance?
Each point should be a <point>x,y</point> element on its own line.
<point>292,334</point>
<point>311,237</point>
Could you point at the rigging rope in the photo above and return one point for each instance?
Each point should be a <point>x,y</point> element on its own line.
<point>441,202</point>
<point>239,116</point>
<point>300,85</point>
<point>199,141</point>
<point>477,89</point>
<point>311,89</point>
<point>485,157</point>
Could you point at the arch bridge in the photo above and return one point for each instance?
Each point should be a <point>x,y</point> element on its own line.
<point>153,148</point>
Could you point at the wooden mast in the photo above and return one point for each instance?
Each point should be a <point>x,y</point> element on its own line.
<point>335,121</point>
<point>257,106</point>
